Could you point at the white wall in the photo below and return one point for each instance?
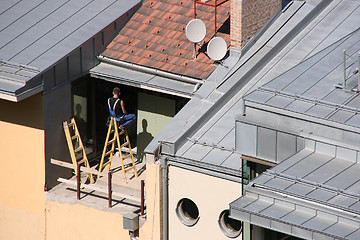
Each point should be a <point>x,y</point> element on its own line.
<point>212,195</point>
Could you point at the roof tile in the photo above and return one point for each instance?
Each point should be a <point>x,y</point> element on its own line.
<point>155,37</point>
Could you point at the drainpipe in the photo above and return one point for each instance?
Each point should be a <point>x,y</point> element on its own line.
<point>164,166</point>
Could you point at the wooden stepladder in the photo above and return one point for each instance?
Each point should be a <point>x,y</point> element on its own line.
<point>76,146</point>
<point>114,130</point>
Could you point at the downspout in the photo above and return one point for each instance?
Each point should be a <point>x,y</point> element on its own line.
<point>164,166</point>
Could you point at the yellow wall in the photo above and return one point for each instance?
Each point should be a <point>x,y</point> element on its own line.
<point>212,195</point>
<point>22,173</point>
<point>77,221</point>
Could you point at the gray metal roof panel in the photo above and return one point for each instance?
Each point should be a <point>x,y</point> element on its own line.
<point>314,79</point>
<point>345,177</point>
<point>320,223</point>
<point>320,194</point>
<point>298,106</point>
<point>24,24</point>
<point>303,168</point>
<point>228,139</point>
<point>232,162</point>
<point>138,78</point>
<point>279,101</point>
<point>300,189</point>
<point>216,156</point>
<point>10,86</point>
<point>354,120</point>
<point>278,183</point>
<point>279,209</point>
<point>342,201</point>
<point>41,33</point>
<point>342,228</point>
<point>299,216</point>
<point>328,170</point>
<point>197,152</point>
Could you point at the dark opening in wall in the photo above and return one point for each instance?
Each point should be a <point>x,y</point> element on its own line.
<point>187,212</point>
<point>230,227</point>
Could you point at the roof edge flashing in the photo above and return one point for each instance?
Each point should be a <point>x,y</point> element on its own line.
<point>14,97</point>
<point>153,71</point>
<point>300,116</point>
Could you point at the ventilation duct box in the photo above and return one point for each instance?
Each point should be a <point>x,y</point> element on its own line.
<point>131,222</point>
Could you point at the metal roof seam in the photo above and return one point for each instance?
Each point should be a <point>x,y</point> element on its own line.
<point>311,203</point>
<point>288,223</point>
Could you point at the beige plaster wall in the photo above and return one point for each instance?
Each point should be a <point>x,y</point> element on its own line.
<point>212,195</point>
<point>151,230</point>
<point>22,172</point>
<point>77,221</point>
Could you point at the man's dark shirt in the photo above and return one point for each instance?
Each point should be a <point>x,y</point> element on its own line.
<point>118,110</point>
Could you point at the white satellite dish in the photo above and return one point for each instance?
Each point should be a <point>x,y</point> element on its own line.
<point>195,30</point>
<point>217,48</point>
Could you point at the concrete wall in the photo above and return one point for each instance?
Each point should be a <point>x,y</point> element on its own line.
<point>22,173</point>
<point>154,112</point>
<point>212,195</point>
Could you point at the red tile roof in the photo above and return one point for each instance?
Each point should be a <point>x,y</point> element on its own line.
<point>155,37</point>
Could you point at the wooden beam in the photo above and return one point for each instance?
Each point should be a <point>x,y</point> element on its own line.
<point>257,160</point>
<point>85,169</point>
<point>99,189</point>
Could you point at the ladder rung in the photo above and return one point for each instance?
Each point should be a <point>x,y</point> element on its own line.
<point>125,144</point>
<point>107,153</point>
<point>130,168</point>
<point>79,149</point>
<point>111,141</point>
<point>74,137</point>
<point>71,124</point>
<point>112,131</point>
<point>127,156</point>
<point>82,161</point>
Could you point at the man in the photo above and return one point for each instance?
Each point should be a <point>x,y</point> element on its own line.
<point>117,109</point>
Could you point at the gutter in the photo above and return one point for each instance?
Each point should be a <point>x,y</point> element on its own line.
<point>153,71</point>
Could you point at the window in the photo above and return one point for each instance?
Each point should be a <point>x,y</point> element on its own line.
<point>230,227</point>
<point>187,212</point>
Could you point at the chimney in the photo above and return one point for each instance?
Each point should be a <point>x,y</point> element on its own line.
<point>248,17</point>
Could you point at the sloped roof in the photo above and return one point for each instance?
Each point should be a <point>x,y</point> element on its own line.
<point>314,87</point>
<point>155,37</point>
<point>35,35</point>
<point>311,194</point>
<point>301,31</point>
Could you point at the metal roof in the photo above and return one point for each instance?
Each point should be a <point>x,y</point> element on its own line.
<point>305,30</point>
<point>310,88</point>
<point>35,35</point>
<point>314,192</point>
<point>208,119</point>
